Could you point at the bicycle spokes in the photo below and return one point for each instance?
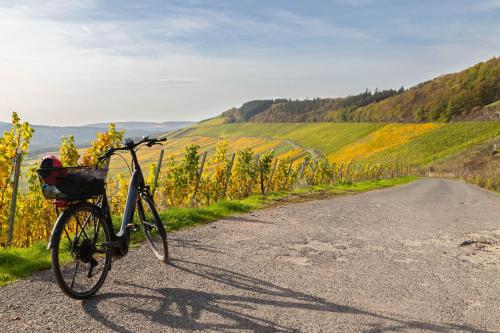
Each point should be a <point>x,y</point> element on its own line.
<point>81,250</point>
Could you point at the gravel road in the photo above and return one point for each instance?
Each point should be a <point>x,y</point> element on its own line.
<point>419,257</point>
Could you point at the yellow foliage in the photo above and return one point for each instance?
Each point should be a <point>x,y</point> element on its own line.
<point>35,215</point>
<point>244,174</point>
<point>284,175</point>
<point>120,196</point>
<point>150,178</point>
<point>180,178</point>
<point>386,137</point>
<point>104,141</point>
<point>213,180</point>
<point>69,152</point>
<point>292,154</point>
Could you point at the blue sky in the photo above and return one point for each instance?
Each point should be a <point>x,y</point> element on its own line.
<point>75,62</point>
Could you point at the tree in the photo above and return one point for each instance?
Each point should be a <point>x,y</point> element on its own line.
<point>420,113</point>
<point>451,110</point>
<point>438,110</point>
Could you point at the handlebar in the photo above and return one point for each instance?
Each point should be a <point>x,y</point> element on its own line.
<point>130,145</point>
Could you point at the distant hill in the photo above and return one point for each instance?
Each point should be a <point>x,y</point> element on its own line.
<point>48,138</point>
<point>472,94</point>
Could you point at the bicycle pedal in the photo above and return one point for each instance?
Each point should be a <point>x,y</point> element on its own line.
<point>132,227</point>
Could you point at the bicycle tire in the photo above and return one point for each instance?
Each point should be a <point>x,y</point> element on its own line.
<point>85,252</point>
<point>150,221</point>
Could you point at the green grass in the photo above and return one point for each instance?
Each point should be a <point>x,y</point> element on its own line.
<point>18,263</point>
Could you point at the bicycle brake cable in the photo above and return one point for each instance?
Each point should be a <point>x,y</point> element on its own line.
<point>126,163</point>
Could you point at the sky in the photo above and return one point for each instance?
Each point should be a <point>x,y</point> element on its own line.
<point>65,62</point>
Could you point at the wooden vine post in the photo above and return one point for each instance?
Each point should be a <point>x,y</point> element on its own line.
<point>13,203</point>
<point>198,179</point>
<point>157,173</point>
<point>262,189</point>
<point>303,169</point>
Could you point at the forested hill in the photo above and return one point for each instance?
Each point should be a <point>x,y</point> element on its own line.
<point>472,94</point>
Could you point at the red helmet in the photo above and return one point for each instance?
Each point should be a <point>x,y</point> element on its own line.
<point>51,161</point>
<point>51,176</point>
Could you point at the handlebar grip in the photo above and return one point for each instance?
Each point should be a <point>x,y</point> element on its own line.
<point>152,142</point>
<point>102,158</point>
<point>106,155</point>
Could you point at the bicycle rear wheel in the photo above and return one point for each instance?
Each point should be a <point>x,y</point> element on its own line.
<point>153,228</point>
<point>80,262</point>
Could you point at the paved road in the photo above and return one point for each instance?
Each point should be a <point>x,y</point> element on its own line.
<point>420,257</point>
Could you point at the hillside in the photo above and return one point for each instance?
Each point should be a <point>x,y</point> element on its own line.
<point>420,144</point>
<point>472,94</point>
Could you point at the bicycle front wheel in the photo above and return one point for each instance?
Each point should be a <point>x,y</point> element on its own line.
<point>80,261</point>
<point>153,228</point>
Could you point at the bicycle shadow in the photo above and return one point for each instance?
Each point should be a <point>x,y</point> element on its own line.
<point>187,309</point>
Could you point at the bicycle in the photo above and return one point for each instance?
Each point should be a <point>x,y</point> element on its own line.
<point>83,239</point>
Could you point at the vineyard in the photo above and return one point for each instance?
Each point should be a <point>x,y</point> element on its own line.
<point>194,178</point>
<point>425,146</point>
<point>419,144</point>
